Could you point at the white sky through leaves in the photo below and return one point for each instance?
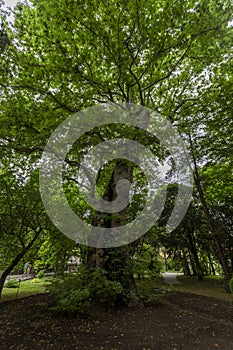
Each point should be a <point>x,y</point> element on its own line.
<point>10,3</point>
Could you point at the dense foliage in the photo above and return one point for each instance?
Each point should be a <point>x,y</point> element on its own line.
<point>58,58</point>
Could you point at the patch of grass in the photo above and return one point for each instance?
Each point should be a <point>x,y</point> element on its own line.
<point>26,288</point>
<point>211,286</point>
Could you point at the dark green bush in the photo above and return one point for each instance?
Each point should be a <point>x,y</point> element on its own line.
<point>231,285</point>
<point>76,292</point>
<point>41,273</point>
<point>13,283</point>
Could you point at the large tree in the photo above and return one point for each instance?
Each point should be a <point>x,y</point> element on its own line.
<point>65,56</point>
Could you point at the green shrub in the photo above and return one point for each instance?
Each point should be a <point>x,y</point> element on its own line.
<point>76,292</point>
<point>146,296</point>
<point>231,285</point>
<point>13,283</point>
<point>146,263</point>
<point>40,274</point>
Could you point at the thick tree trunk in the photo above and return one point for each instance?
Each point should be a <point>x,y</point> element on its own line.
<point>116,261</point>
<point>16,260</point>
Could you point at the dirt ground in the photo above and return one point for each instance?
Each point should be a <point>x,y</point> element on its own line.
<point>177,321</point>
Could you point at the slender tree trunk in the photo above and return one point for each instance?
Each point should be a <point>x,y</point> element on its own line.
<point>210,225</point>
<point>212,269</point>
<point>193,265</point>
<point>214,236</point>
<point>185,264</point>
<point>194,253</point>
<point>16,260</point>
<point>165,260</point>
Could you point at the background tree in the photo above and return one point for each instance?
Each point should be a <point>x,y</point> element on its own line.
<point>22,221</point>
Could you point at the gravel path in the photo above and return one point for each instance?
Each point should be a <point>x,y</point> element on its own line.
<point>171,277</point>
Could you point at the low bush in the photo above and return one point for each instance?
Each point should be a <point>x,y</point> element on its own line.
<point>76,292</point>
<point>13,283</point>
<point>40,273</point>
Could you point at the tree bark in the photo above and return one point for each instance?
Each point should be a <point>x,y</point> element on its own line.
<point>116,261</point>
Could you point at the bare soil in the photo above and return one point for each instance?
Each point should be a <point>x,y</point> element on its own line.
<point>177,321</point>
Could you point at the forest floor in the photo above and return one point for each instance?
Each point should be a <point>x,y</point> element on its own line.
<point>175,321</point>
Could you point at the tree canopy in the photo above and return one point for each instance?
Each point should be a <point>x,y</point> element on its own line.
<point>174,57</point>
